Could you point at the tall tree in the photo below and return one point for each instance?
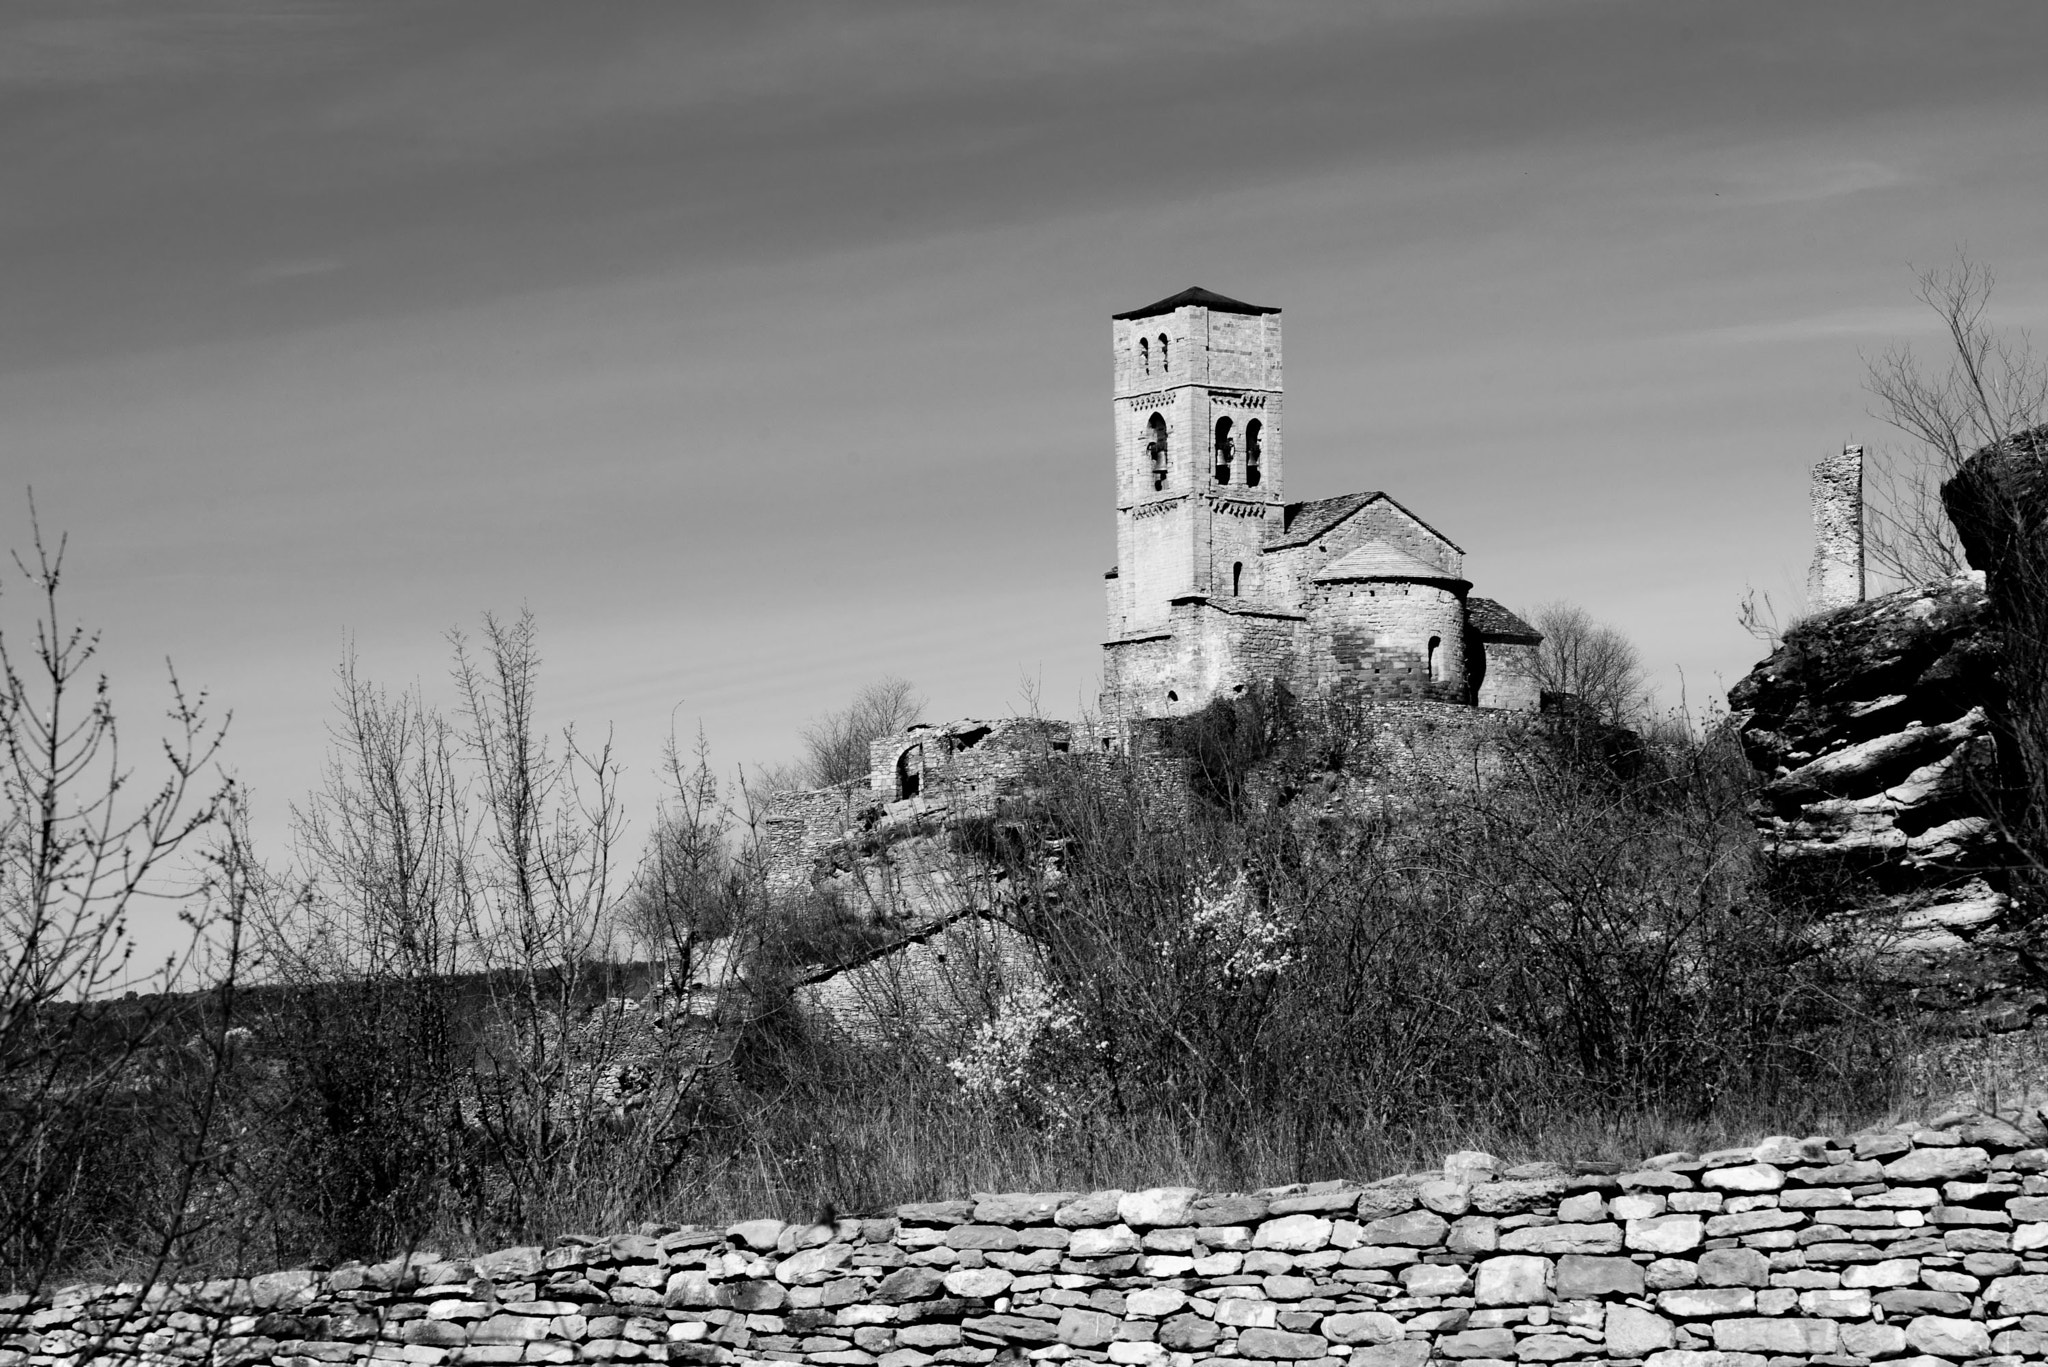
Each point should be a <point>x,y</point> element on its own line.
<point>1593,663</point>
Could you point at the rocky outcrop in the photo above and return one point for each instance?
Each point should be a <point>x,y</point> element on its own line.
<point>1998,502</point>
<point>1880,731</point>
<point>1872,728</point>
<point>1918,1244</point>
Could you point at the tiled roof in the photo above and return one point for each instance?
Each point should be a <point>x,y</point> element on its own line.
<point>1307,521</point>
<point>1378,560</point>
<point>1199,297</point>
<point>1496,623</point>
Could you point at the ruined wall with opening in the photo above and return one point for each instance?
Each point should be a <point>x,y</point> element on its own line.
<point>1917,1245</point>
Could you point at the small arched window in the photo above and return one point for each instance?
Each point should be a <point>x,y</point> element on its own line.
<point>1254,451</point>
<point>1224,450</point>
<point>1155,446</point>
<point>1237,580</point>
<point>1165,365</point>
<point>1145,354</point>
<point>1436,659</point>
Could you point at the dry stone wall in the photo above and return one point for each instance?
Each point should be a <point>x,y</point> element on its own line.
<point>1924,1246</point>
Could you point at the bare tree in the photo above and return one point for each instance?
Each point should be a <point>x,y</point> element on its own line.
<point>836,744</point>
<point>1593,663</point>
<point>367,933</point>
<point>382,845</point>
<point>1987,385</point>
<point>85,851</point>
<point>541,908</point>
<point>690,880</point>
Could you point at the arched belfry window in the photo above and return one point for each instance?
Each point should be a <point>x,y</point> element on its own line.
<point>1254,451</point>
<point>1145,354</point>
<point>1155,446</point>
<point>1224,450</point>
<point>1164,364</point>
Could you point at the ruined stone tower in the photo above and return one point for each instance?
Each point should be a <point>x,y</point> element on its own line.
<point>1835,578</point>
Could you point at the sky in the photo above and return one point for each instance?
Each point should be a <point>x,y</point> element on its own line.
<point>762,348</point>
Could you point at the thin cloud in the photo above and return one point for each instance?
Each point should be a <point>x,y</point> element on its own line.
<point>62,47</point>
<point>1812,182</point>
<point>1856,323</point>
<point>273,272</point>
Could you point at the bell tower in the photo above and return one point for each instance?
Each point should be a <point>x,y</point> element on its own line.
<point>1199,457</point>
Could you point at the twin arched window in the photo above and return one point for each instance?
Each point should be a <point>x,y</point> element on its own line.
<point>1155,446</point>
<point>1145,355</point>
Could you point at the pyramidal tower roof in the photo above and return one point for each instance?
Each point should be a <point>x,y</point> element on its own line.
<point>1200,298</point>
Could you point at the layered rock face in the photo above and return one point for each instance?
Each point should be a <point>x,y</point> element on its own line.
<point>1880,731</point>
<point>1873,726</point>
<point>1919,1244</point>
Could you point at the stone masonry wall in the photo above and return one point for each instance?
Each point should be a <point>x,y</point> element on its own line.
<point>1370,640</point>
<point>1923,1246</point>
<point>1508,677</point>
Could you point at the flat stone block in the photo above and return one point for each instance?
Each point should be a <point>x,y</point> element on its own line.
<point>1080,1328</point>
<point>1297,1233</point>
<point>1478,1343</point>
<point>1513,1280</point>
<point>1701,1302</point>
<point>1279,1343</point>
<point>1158,1206</point>
<point>1367,1326</point>
<point>1804,1337</point>
<point>1582,1276</point>
<point>1560,1239</point>
<point>1634,1333</point>
<point>1415,1229</point>
<point>1938,1165</point>
<point>1745,1177</point>
<point>1665,1234</point>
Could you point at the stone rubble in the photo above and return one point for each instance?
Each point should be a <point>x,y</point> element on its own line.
<point>1916,1245</point>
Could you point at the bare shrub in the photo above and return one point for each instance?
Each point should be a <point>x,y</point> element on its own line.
<point>452,1046</point>
<point>1985,386</point>
<point>1331,964</point>
<point>108,1093</point>
<point>1593,928</point>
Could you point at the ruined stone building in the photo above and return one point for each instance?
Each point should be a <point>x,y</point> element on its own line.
<point>1221,582</point>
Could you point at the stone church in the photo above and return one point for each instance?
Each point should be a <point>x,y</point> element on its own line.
<point>1221,582</point>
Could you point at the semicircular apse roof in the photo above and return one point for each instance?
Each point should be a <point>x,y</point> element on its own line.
<point>1378,560</point>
